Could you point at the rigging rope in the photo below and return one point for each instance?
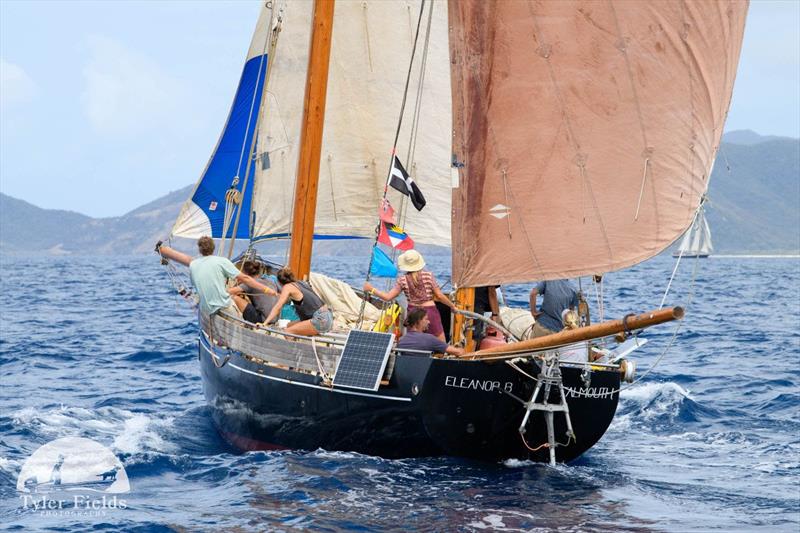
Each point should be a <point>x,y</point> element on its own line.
<point>680,256</point>
<point>511,362</point>
<point>236,199</point>
<point>394,151</point>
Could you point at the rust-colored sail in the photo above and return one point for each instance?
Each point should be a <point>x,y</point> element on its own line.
<point>584,131</point>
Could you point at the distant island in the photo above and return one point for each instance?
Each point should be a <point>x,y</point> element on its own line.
<point>754,208</point>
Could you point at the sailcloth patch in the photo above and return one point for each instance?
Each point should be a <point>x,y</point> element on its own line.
<point>500,211</point>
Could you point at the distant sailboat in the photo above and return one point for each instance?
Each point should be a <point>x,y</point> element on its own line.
<point>696,241</point>
<point>551,139</point>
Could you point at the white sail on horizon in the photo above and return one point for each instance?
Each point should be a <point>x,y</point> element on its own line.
<point>697,239</point>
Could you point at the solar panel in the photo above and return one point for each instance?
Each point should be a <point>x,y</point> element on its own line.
<point>363,360</point>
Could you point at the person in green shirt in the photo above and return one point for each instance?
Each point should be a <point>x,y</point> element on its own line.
<point>209,274</point>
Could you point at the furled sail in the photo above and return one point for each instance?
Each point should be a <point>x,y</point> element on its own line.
<point>205,212</point>
<point>584,130</point>
<point>371,48</point>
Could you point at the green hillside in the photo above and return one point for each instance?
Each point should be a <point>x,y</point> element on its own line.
<point>754,207</point>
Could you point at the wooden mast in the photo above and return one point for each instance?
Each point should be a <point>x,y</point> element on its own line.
<point>465,300</point>
<point>305,191</point>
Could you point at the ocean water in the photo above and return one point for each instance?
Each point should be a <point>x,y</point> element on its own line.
<point>102,348</point>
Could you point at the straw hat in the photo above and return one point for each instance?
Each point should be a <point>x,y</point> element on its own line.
<point>411,261</point>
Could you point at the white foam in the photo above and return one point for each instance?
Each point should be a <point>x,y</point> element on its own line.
<point>517,463</point>
<point>492,521</point>
<point>648,391</point>
<point>129,432</point>
<point>10,465</point>
<point>140,433</point>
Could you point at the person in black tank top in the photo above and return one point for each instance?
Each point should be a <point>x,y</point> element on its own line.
<point>315,317</point>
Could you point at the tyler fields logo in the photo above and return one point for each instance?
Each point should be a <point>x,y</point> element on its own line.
<point>73,476</point>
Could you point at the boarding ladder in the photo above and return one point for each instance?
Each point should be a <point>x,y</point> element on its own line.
<point>549,376</point>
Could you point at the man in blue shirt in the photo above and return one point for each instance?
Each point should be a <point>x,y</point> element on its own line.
<point>416,338</point>
<point>558,295</point>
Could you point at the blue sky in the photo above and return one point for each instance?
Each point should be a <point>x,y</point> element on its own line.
<point>105,106</point>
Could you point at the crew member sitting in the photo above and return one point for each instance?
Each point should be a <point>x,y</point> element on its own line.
<point>315,317</point>
<point>416,337</point>
<point>260,304</point>
<point>558,295</point>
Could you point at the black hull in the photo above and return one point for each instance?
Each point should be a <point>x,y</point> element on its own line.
<point>430,407</point>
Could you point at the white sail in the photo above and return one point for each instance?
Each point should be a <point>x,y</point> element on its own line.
<point>371,47</point>
<point>697,239</point>
<point>204,212</point>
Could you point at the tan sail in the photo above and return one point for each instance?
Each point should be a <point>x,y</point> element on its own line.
<point>586,130</point>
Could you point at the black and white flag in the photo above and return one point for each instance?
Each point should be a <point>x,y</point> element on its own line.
<point>401,181</point>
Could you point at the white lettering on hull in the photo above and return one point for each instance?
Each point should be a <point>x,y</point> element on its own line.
<point>591,392</point>
<point>477,384</point>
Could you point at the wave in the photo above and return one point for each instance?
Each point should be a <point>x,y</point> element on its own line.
<point>662,407</point>
<point>124,431</point>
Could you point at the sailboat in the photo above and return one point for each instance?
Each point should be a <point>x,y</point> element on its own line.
<point>696,241</point>
<point>551,139</point>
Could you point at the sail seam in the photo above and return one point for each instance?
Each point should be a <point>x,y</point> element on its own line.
<point>580,158</point>
<point>646,150</point>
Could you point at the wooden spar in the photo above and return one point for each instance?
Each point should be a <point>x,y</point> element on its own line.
<point>586,333</point>
<point>305,191</point>
<point>465,300</point>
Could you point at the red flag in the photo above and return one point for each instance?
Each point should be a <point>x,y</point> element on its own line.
<point>386,212</point>
<point>394,236</point>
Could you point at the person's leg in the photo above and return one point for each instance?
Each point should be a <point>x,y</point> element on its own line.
<point>240,302</point>
<point>540,331</point>
<point>302,328</point>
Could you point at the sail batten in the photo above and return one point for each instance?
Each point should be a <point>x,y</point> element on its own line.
<point>587,130</point>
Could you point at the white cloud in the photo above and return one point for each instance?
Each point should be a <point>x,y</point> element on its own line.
<point>16,86</point>
<point>126,92</point>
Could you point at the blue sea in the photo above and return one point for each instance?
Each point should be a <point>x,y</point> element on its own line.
<point>102,348</point>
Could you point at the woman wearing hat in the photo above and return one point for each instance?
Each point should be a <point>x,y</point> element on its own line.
<point>420,288</point>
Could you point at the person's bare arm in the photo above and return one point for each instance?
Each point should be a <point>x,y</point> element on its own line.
<point>235,291</point>
<point>282,299</point>
<point>385,296</point>
<point>170,253</point>
<point>493,305</point>
<point>253,284</point>
<point>534,295</point>
<point>455,350</point>
<point>442,297</point>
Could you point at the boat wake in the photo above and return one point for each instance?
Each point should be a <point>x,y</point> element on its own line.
<point>658,407</point>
